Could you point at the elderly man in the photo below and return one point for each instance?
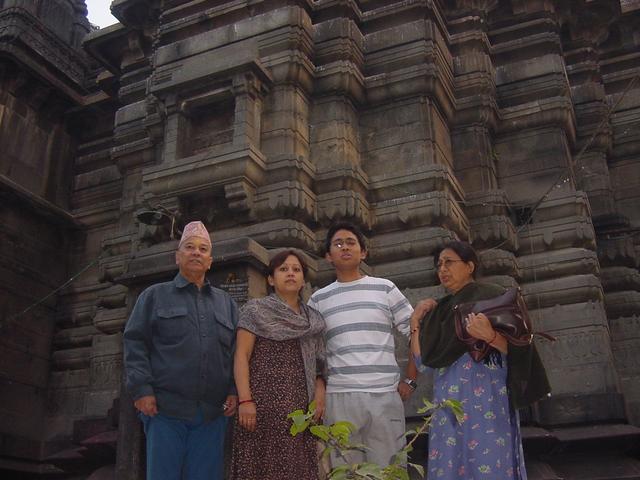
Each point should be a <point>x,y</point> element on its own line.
<point>179,344</point>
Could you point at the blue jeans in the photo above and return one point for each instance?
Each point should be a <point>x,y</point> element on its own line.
<point>184,449</point>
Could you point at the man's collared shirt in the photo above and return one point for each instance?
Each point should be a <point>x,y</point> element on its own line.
<point>179,344</point>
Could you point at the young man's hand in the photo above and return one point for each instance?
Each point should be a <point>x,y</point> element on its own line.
<point>405,390</point>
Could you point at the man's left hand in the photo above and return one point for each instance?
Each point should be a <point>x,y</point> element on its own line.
<point>232,404</point>
<point>404,390</point>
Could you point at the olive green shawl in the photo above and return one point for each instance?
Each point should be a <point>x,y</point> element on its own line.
<point>440,347</point>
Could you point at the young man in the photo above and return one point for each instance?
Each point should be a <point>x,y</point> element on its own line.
<point>364,384</point>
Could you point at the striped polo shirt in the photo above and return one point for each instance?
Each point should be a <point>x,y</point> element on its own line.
<point>360,317</point>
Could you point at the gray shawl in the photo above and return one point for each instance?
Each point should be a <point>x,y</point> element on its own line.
<point>270,317</point>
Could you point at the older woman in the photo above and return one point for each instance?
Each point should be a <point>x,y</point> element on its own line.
<point>487,444</point>
<point>278,366</point>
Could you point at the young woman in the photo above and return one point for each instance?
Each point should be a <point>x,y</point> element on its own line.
<point>279,364</point>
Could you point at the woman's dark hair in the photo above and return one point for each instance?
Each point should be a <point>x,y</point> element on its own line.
<point>348,226</point>
<point>463,250</point>
<point>280,257</point>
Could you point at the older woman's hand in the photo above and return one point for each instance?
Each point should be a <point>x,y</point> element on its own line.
<point>422,308</point>
<point>478,326</point>
<point>425,306</point>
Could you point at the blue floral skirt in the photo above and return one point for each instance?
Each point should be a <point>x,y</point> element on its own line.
<point>487,444</point>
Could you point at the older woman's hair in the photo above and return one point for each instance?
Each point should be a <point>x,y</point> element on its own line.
<point>279,258</point>
<point>463,250</point>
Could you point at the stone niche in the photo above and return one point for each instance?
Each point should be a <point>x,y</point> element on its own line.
<point>209,126</point>
<point>212,126</point>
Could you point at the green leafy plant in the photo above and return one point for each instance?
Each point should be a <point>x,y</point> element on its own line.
<point>336,438</point>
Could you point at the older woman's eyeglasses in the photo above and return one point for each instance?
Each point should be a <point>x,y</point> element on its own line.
<point>446,263</point>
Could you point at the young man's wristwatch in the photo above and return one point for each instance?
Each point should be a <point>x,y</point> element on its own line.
<point>412,383</point>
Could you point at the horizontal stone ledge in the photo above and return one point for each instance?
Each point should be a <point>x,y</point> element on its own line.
<point>569,317</point>
<point>620,278</point>
<point>558,263</point>
<point>497,261</point>
<point>110,320</point>
<point>286,198</point>
<point>434,208</point>
<point>579,360</point>
<point>610,432</point>
<point>220,64</point>
<point>580,409</point>
<point>622,304</point>
<point>239,33</point>
<point>570,232</point>
<point>402,182</point>
<point>410,82</point>
<point>344,204</point>
<point>205,171</point>
<point>157,263</point>
<point>627,361</point>
<point>71,359</point>
<point>495,231</point>
<point>562,291</point>
<point>112,297</point>
<point>74,337</point>
<point>624,328</point>
<point>408,273</point>
<point>561,205</point>
<point>406,243</point>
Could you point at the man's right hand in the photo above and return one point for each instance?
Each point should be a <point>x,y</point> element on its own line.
<point>147,405</point>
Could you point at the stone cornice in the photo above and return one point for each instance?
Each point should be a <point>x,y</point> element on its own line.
<point>22,35</point>
<point>108,46</point>
<point>12,192</point>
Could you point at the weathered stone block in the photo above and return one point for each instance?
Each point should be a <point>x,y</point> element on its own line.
<point>558,263</point>
<point>562,291</point>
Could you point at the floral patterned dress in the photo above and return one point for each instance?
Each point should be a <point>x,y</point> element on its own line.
<point>487,444</point>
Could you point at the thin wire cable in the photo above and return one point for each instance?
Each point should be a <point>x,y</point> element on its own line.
<point>13,318</point>
<point>567,170</point>
<point>556,182</point>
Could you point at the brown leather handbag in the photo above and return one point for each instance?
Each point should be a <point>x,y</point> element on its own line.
<point>508,316</point>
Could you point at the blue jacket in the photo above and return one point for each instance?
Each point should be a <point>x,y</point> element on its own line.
<point>178,345</point>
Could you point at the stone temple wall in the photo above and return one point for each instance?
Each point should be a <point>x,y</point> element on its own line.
<point>513,124</point>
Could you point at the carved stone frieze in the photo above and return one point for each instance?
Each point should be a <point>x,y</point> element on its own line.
<point>19,23</point>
